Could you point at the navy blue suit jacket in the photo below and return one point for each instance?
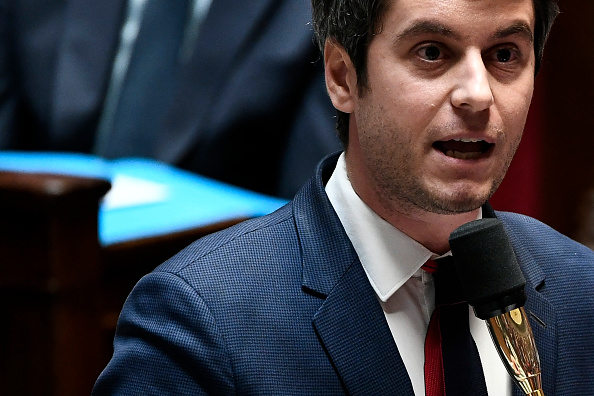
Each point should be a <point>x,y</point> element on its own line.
<point>280,305</point>
<point>249,107</point>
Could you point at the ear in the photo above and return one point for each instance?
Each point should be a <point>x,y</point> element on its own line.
<point>341,78</point>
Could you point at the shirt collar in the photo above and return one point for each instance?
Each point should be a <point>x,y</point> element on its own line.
<point>389,256</point>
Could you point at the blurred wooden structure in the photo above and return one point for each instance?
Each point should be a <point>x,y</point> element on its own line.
<point>60,290</point>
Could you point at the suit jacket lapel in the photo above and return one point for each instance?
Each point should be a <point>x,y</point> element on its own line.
<point>541,314</point>
<point>219,43</point>
<point>350,322</point>
<point>352,327</point>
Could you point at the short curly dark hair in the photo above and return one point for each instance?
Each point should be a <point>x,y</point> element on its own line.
<point>353,23</point>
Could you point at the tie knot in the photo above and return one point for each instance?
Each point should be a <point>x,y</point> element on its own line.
<point>430,266</point>
<point>448,289</point>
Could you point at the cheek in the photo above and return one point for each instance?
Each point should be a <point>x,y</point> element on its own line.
<point>516,112</point>
<point>407,96</point>
<point>512,103</point>
<point>517,100</point>
<point>413,106</point>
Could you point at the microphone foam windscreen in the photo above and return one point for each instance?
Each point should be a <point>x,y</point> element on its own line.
<point>487,267</point>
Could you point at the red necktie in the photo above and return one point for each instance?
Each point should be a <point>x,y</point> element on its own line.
<point>452,362</point>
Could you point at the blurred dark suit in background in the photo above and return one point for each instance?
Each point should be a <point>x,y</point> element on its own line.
<point>244,102</point>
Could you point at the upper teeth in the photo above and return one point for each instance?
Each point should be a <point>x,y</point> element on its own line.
<point>467,140</point>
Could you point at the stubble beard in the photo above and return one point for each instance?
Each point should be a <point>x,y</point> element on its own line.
<point>407,195</point>
<point>402,190</point>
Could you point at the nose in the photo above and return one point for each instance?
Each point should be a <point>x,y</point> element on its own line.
<point>472,89</point>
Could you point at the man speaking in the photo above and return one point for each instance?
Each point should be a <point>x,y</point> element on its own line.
<point>333,293</point>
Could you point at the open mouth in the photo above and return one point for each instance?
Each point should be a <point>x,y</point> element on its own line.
<point>464,148</point>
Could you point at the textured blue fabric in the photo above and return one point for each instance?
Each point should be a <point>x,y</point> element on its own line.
<point>280,305</point>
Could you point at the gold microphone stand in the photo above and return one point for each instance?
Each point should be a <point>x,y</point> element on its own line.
<point>513,338</point>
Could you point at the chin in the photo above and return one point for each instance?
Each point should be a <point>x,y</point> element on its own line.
<point>463,207</point>
<point>457,202</point>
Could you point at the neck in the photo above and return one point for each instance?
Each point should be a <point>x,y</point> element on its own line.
<point>430,229</point>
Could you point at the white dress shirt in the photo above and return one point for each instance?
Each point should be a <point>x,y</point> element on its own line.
<point>392,261</point>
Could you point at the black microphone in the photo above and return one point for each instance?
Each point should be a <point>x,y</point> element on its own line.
<point>489,272</point>
<point>493,284</point>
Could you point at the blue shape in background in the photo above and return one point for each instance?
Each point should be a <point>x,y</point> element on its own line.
<point>192,200</point>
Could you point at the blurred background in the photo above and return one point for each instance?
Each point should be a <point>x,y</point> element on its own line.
<point>216,110</point>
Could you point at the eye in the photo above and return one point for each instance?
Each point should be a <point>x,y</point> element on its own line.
<point>503,55</point>
<point>430,52</point>
<point>506,60</point>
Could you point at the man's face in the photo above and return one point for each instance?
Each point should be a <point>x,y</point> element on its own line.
<point>448,90</point>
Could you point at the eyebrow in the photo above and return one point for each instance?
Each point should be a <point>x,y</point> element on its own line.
<point>520,28</point>
<point>426,27</point>
<point>431,27</point>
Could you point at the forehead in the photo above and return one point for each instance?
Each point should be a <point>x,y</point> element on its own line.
<point>460,18</point>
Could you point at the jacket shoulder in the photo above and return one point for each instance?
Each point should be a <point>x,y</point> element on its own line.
<point>541,239</point>
<point>256,240</point>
